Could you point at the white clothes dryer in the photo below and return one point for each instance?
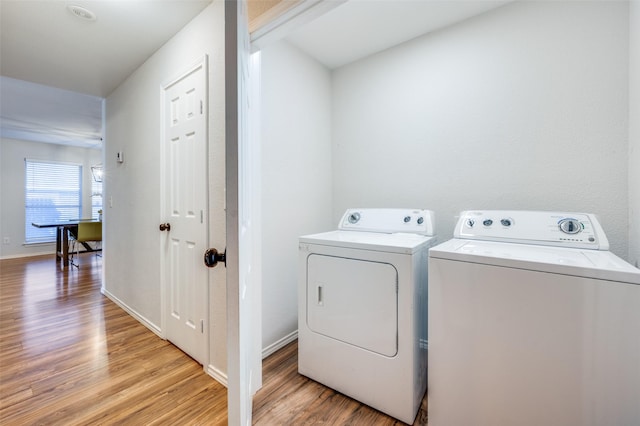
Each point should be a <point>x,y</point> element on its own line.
<point>362,325</point>
<point>532,321</point>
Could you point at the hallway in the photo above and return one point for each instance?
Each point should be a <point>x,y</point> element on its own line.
<point>70,356</point>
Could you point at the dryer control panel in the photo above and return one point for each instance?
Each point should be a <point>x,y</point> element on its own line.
<point>414,221</point>
<point>563,229</point>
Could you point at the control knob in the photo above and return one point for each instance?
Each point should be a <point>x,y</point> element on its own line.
<point>570,226</point>
<point>354,217</point>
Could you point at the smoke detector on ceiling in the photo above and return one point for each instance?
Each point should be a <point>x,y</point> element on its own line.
<point>81,12</point>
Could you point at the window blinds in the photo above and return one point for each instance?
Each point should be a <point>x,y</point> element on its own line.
<point>53,193</point>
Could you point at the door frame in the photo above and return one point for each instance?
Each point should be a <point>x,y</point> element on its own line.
<point>242,132</point>
<point>200,62</point>
<point>242,156</point>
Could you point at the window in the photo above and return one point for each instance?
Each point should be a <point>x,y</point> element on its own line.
<point>53,193</point>
<point>96,198</point>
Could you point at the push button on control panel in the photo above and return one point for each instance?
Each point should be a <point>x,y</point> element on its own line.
<point>506,222</point>
<point>487,222</point>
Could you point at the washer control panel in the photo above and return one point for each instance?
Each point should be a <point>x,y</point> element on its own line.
<point>415,221</point>
<point>577,230</point>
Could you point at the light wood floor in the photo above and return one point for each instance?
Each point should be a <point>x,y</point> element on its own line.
<point>70,356</point>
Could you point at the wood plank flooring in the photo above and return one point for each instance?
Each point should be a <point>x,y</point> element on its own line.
<point>288,398</point>
<point>70,356</point>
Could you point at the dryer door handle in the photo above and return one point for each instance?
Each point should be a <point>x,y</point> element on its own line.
<point>320,295</point>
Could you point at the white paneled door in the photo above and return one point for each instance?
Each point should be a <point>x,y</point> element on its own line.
<point>184,140</point>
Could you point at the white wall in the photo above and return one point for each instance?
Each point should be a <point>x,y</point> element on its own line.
<point>525,107</point>
<point>12,213</point>
<point>296,177</point>
<point>132,240</point>
<point>634,134</point>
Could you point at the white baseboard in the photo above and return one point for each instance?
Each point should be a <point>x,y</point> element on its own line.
<point>151,326</point>
<point>218,375</point>
<point>214,372</point>
<point>17,256</point>
<point>222,377</point>
<point>274,347</point>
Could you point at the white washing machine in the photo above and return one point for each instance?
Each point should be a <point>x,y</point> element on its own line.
<point>532,321</point>
<point>362,325</point>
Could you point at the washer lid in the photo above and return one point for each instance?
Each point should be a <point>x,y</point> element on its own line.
<point>602,265</point>
<point>376,241</point>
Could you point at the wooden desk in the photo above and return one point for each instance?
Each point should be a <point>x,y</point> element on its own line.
<point>62,237</point>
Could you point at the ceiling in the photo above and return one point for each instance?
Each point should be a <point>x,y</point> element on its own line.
<point>33,112</point>
<point>75,62</point>
<point>43,42</point>
<point>55,67</point>
<point>359,28</point>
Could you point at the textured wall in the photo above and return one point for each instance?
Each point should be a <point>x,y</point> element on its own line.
<point>525,107</point>
<point>132,241</point>
<point>296,176</point>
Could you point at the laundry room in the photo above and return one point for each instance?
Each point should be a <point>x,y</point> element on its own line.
<point>525,105</point>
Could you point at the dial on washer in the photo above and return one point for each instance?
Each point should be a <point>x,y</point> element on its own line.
<point>570,226</point>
